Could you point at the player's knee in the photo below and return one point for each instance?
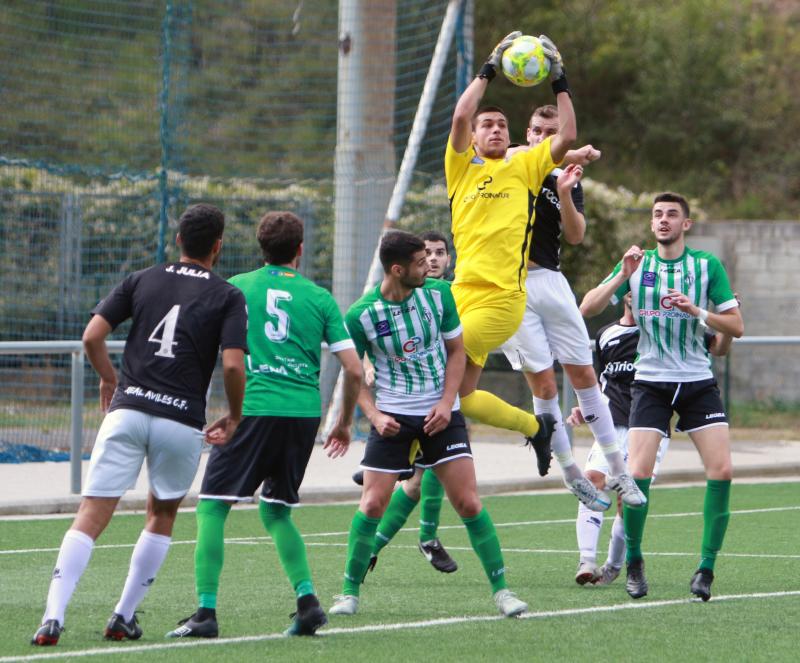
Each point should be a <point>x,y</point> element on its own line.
<point>543,384</point>
<point>412,489</point>
<point>721,472</point>
<point>581,377</point>
<point>161,515</point>
<point>467,505</point>
<point>271,512</point>
<point>373,504</point>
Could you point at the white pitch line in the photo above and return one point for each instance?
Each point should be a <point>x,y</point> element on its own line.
<point>308,535</point>
<point>397,626</point>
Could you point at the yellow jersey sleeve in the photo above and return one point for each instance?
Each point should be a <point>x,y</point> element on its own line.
<point>455,166</point>
<point>538,164</point>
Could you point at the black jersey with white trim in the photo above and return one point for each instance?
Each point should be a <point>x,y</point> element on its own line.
<point>616,350</point>
<point>546,242</point>
<point>183,314</point>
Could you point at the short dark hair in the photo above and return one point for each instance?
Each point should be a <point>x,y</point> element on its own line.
<point>398,248</point>
<point>435,236</point>
<point>669,197</point>
<point>547,111</point>
<point>487,109</point>
<point>280,235</point>
<point>199,227</point>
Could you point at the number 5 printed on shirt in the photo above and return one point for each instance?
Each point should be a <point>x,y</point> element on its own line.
<point>280,332</point>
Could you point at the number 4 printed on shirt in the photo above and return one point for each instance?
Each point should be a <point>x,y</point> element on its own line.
<point>167,329</point>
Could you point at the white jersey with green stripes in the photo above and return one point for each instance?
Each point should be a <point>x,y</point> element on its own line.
<point>671,347</point>
<point>405,343</point>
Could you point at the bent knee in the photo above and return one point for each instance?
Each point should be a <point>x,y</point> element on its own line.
<point>468,506</point>
<point>412,491</point>
<point>373,505</point>
<point>720,473</point>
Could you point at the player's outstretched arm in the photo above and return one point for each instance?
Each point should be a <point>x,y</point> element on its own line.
<point>338,440</point>
<point>221,431</point>
<point>583,155</point>
<point>567,124</point>
<point>94,344</point>
<point>573,223</point>
<point>468,102</point>
<point>595,301</point>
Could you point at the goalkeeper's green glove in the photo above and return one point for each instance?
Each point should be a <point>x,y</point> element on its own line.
<point>489,68</point>
<point>557,74</point>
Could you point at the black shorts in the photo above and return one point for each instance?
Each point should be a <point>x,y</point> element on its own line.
<point>272,450</point>
<point>698,405</point>
<point>391,454</point>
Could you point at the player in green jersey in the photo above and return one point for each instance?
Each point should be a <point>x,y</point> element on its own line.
<point>289,317</point>
<point>672,288</point>
<point>409,327</point>
<point>423,487</point>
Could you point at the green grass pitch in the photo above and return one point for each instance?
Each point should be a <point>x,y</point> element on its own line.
<point>410,612</point>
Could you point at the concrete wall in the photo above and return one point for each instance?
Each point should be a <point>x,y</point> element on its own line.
<point>763,262</point>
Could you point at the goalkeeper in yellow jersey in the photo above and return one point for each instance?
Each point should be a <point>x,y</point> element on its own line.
<point>491,200</point>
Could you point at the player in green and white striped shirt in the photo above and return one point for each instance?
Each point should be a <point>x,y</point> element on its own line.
<point>409,327</point>
<point>673,287</point>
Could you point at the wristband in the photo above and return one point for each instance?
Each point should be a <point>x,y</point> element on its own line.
<point>561,85</point>
<point>702,314</point>
<point>488,71</point>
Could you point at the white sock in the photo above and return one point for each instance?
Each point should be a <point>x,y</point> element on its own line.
<point>559,441</point>
<point>148,556</point>
<point>73,558</point>
<point>594,409</point>
<point>616,546</point>
<point>587,527</point>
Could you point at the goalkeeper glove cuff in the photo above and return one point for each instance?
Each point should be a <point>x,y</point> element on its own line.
<point>560,85</point>
<point>488,71</point>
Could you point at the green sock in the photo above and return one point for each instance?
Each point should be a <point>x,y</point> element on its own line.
<point>431,492</point>
<point>395,516</point>
<point>209,551</point>
<point>277,519</point>
<point>715,520</point>
<point>360,544</point>
<point>486,545</point>
<point>633,518</point>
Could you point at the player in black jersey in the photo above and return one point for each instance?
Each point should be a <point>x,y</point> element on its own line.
<point>182,315</point>
<point>553,328</point>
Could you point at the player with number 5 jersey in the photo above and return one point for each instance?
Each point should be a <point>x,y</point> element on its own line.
<point>182,315</point>
<point>290,317</point>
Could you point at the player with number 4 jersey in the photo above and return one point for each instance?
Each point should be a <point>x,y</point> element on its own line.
<point>182,315</point>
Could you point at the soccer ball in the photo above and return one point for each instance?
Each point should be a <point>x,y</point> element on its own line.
<point>524,62</point>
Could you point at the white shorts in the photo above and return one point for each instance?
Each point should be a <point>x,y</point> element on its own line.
<point>551,328</point>
<point>126,438</point>
<point>597,460</point>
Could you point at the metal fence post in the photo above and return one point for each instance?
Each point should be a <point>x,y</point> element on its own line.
<point>76,422</point>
